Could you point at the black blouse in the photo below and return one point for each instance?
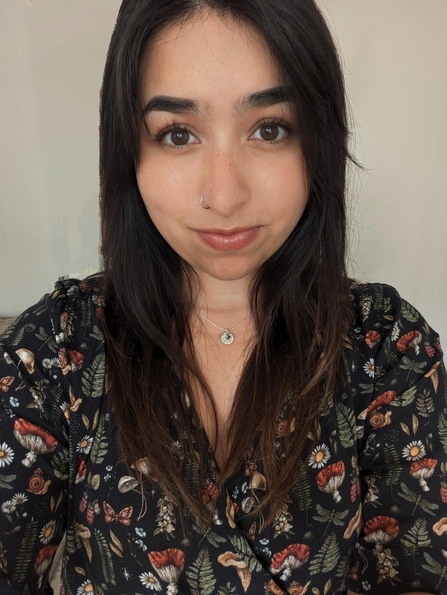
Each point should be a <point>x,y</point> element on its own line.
<point>368,512</point>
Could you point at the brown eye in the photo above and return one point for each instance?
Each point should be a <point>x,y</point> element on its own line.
<point>269,132</point>
<point>179,137</point>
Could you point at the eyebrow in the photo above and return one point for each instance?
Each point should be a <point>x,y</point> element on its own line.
<point>180,105</point>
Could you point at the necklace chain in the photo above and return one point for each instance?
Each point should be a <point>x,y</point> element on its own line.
<point>227,336</point>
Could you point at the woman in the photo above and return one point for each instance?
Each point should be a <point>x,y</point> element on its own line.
<point>218,412</point>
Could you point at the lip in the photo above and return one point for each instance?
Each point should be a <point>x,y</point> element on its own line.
<point>227,240</point>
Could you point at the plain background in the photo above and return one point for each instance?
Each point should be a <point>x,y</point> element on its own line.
<point>395,63</point>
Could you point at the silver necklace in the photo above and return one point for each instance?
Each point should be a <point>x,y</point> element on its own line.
<point>227,336</point>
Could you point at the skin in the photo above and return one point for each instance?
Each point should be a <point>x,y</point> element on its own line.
<point>247,181</point>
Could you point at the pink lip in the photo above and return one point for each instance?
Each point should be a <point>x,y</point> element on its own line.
<point>228,239</point>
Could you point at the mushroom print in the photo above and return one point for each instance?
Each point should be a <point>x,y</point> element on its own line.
<point>85,534</point>
<point>27,358</point>
<point>422,470</point>
<point>367,509</point>
<point>372,338</point>
<point>230,559</point>
<point>37,440</point>
<point>5,383</point>
<point>411,339</point>
<point>76,358</point>
<point>330,479</point>
<point>440,526</point>
<point>43,561</point>
<point>168,564</point>
<point>381,530</point>
<point>382,400</point>
<point>289,559</point>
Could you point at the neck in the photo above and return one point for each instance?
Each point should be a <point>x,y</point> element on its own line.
<point>223,299</point>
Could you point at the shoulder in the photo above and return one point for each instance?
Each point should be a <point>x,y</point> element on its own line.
<point>75,296</point>
<point>379,314</point>
<point>57,312</point>
<point>49,348</point>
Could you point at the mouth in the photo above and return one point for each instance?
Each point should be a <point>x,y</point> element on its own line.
<point>226,240</point>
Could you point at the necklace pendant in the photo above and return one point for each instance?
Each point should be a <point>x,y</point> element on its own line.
<point>227,337</point>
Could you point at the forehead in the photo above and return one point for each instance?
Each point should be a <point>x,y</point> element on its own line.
<point>207,54</point>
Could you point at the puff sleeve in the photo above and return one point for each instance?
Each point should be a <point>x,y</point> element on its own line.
<point>402,545</point>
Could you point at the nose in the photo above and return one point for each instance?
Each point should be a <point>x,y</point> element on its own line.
<point>226,184</point>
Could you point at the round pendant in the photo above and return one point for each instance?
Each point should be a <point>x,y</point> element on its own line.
<point>227,337</point>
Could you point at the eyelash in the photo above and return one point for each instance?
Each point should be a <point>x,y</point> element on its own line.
<point>184,128</point>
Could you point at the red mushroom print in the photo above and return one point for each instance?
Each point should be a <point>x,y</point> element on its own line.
<point>35,439</point>
<point>76,358</point>
<point>168,564</point>
<point>43,561</point>
<point>381,530</point>
<point>380,401</point>
<point>422,470</point>
<point>411,339</point>
<point>331,478</point>
<point>291,558</point>
<point>372,338</point>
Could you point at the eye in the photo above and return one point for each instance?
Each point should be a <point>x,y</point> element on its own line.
<point>177,136</point>
<point>271,132</point>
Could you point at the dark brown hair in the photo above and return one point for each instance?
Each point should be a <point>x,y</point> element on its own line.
<point>298,298</point>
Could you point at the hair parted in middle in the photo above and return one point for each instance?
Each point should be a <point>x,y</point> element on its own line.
<point>299,298</point>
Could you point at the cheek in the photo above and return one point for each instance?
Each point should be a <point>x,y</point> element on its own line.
<point>285,189</point>
<point>160,189</point>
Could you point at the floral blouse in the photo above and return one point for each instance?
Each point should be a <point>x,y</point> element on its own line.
<point>368,512</point>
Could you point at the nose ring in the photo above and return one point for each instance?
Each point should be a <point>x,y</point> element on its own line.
<point>201,203</point>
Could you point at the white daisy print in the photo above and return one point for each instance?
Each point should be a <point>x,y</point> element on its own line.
<point>319,457</point>
<point>6,455</point>
<point>8,507</point>
<point>369,367</point>
<point>395,332</point>
<point>65,408</point>
<point>85,589</point>
<point>85,445</point>
<point>414,451</point>
<point>19,499</point>
<point>150,581</point>
<point>47,532</point>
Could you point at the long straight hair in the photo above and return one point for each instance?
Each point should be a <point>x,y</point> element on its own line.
<point>298,299</point>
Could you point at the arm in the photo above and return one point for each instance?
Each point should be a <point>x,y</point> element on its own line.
<point>33,453</point>
<point>403,454</point>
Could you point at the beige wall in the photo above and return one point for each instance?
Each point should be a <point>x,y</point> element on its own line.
<point>52,54</point>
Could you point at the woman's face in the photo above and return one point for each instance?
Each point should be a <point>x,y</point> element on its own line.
<point>208,134</point>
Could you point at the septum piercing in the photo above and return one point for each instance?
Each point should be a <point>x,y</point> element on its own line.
<point>201,203</point>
